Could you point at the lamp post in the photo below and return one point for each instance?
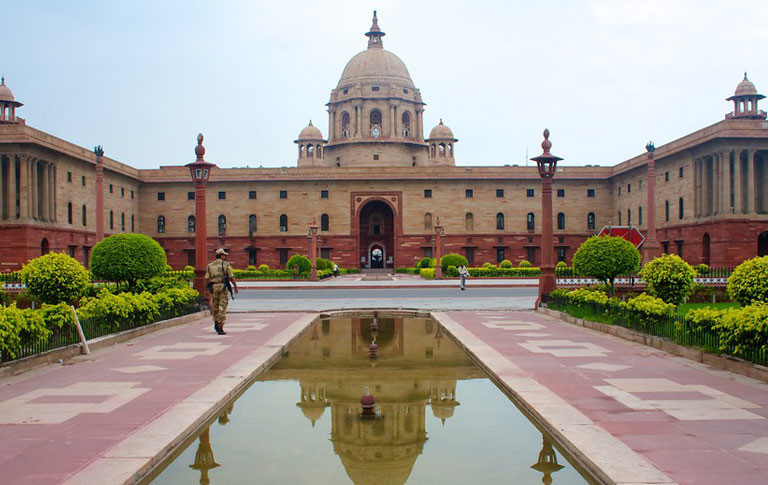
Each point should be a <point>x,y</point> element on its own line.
<point>439,232</point>
<point>547,164</point>
<point>200,170</point>
<point>651,247</point>
<point>99,152</point>
<point>547,462</point>
<point>313,248</point>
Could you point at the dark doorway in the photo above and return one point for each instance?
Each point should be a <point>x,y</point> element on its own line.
<point>762,244</point>
<point>705,243</point>
<point>44,247</point>
<point>377,256</point>
<point>377,235</point>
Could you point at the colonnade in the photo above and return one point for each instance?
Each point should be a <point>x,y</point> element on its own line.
<point>358,119</point>
<point>731,181</point>
<point>27,188</point>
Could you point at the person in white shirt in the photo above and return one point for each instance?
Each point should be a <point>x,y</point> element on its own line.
<point>463,274</point>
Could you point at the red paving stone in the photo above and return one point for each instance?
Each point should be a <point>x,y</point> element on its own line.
<point>693,434</point>
<point>53,452</point>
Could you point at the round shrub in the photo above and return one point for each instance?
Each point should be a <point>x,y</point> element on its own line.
<point>263,267</point>
<point>321,264</point>
<point>670,278</point>
<point>250,267</point>
<point>301,261</point>
<point>605,258</point>
<point>424,262</point>
<point>433,263</point>
<point>749,282</point>
<point>168,268</point>
<point>189,268</point>
<point>488,265</point>
<point>128,257</point>
<point>561,264</point>
<point>505,264</point>
<point>702,269</point>
<point>452,260</point>
<point>524,264</point>
<point>55,278</point>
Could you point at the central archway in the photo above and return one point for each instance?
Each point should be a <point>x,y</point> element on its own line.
<point>377,231</point>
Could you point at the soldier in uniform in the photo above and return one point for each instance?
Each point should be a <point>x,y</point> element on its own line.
<point>216,273</point>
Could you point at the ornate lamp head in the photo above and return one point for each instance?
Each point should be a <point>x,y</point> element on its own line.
<point>98,150</point>
<point>313,227</point>
<point>546,162</point>
<point>650,148</point>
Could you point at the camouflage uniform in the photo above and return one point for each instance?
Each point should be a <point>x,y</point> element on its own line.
<point>214,273</point>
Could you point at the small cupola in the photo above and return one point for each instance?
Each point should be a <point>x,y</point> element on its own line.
<point>8,105</point>
<point>375,34</point>
<point>311,146</point>
<point>441,142</point>
<point>745,102</point>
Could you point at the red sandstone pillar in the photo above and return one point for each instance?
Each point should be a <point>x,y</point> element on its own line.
<point>313,249</point>
<point>651,246</point>
<point>99,151</point>
<point>200,170</point>
<point>438,248</point>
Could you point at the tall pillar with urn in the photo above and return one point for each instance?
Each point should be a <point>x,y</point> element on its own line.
<point>547,165</point>
<point>439,232</point>
<point>312,239</point>
<point>99,152</point>
<point>200,170</point>
<point>651,246</point>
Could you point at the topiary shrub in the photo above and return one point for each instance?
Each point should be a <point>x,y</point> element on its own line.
<point>749,282</point>
<point>452,260</point>
<point>744,331</point>
<point>562,269</point>
<point>189,268</point>
<point>427,273</point>
<point>55,278</point>
<point>702,269</point>
<point>263,267</point>
<point>670,278</point>
<point>424,262</point>
<point>605,258</point>
<point>250,267</point>
<point>488,265</point>
<point>128,258</point>
<point>322,264</point>
<point>505,264</point>
<point>301,261</point>
<point>433,263</point>
<point>524,264</point>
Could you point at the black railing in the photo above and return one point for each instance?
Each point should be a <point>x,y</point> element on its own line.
<point>714,272</point>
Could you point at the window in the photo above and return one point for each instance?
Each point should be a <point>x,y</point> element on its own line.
<point>619,190</point>
<point>283,223</point>
<point>283,257</point>
<point>84,215</point>
<point>283,194</point>
<point>665,247</point>
<point>666,176</point>
<point>82,181</point>
<point>619,217</point>
<point>323,194</point>
<point>111,220</point>
<point>222,225</point>
<point>561,192</point>
<point>561,255</point>
<point>427,252</point>
<point>191,224</point>
<point>325,253</point>
<point>69,176</point>
<point>160,223</point>
<point>111,188</point>
<point>640,216</point>
<point>640,185</point>
<point>499,221</point>
<point>375,156</point>
<point>190,196</point>
<point>629,188</point>
<point>531,221</point>
<point>375,123</point>
<point>251,224</point>
<point>427,193</point>
<point>374,88</point>
<point>324,222</point>
<point>629,217</point>
<point>560,220</point>
<point>470,255</point>
<point>469,222</point>
<point>133,227</point>
<point>591,221</point>
<point>590,192</point>
<point>529,192</point>
<point>680,207</point>
<point>499,255</point>
<point>428,221</point>
<point>405,125</point>
<point>251,194</point>
<point>222,195</point>
<point>69,213</point>
<point>122,221</point>
<point>679,248</point>
<point>531,255</point>
<point>122,191</point>
<point>681,176</point>
<point>161,196</point>
<point>131,194</point>
<point>666,210</point>
<point>469,193</point>
<point>251,257</point>
<point>499,192</point>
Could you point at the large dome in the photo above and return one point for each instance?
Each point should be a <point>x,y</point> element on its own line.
<point>375,65</point>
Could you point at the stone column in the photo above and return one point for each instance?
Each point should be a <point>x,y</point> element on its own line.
<point>24,187</point>
<point>750,180</point>
<point>2,192</point>
<point>12,186</point>
<point>391,120</point>
<point>35,191</point>
<point>99,152</point>
<point>44,193</point>
<point>50,194</point>
<point>738,201</point>
<point>651,247</point>
<point>696,188</point>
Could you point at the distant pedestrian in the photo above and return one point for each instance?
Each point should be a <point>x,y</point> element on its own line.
<point>335,270</point>
<point>463,275</point>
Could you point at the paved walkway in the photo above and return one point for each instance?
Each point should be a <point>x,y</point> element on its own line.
<point>396,281</point>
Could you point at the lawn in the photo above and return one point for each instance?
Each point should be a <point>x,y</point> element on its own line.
<point>686,307</point>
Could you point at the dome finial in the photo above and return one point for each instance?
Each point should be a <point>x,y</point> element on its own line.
<point>745,76</point>
<point>310,122</point>
<point>441,121</point>
<point>375,34</point>
<point>546,144</point>
<point>2,81</point>
<point>199,149</point>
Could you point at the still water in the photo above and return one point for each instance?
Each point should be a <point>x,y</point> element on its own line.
<point>437,418</point>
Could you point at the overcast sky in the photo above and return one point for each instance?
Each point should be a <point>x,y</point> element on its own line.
<point>142,78</point>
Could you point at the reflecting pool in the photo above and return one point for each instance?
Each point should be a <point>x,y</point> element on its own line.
<point>334,409</point>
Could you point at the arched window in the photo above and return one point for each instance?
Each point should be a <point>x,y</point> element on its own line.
<point>375,123</point>
<point>301,151</point>
<point>441,148</point>
<point>450,149</point>
<point>531,221</point>
<point>318,151</point>
<point>591,221</point>
<point>428,221</point>
<point>640,216</point>
<point>310,151</point>
<point>680,204</point>
<point>191,224</point>
<point>251,224</point>
<point>69,213</point>
<point>133,228</point>
<point>345,124</point>
<point>406,124</point>
<point>560,220</point>
<point>122,221</point>
<point>112,220</point>
<point>222,225</point>
<point>433,150</point>
<point>85,215</point>
<point>469,222</point>
<point>283,223</point>
<point>160,224</point>
<point>499,221</point>
<point>325,222</point>
<point>619,217</point>
<point>666,210</point>
<point>629,217</point>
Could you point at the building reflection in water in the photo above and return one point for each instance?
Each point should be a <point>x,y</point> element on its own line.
<point>415,367</point>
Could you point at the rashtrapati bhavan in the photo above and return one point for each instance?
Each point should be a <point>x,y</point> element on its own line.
<point>376,185</point>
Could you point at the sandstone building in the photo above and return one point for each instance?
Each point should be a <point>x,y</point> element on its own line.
<point>376,187</point>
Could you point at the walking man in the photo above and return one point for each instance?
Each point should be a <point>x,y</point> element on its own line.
<point>463,274</point>
<point>335,270</point>
<point>220,281</point>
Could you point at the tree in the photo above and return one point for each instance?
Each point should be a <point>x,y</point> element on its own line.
<point>55,278</point>
<point>670,278</point>
<point>605,258</point>
<point>128,258</point>
<point>749,282</point>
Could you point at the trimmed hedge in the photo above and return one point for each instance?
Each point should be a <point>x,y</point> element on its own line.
<point>55,278</point>
<point>669,277</point>
<point>749,282</point>
<point>427,273</point>
<point>19,326</point>
<point>128,257</point>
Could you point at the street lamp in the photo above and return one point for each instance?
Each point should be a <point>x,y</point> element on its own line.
<point>651,246</point>
<point>547,165</point>
<point>439,233</point>
<point>98,150</point>
<point>200,170</point>
<point>313,248</point>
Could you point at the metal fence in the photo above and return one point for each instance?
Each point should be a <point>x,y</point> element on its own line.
<point>714,272</point>
<point>674,327</point>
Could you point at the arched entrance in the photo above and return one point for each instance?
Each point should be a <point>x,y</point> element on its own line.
<point>705,243</point>
<point>762,244</point>
<point>44,247</point>
<point>377,229</point>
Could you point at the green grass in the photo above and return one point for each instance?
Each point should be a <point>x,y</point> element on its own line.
<point>686,307</point>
